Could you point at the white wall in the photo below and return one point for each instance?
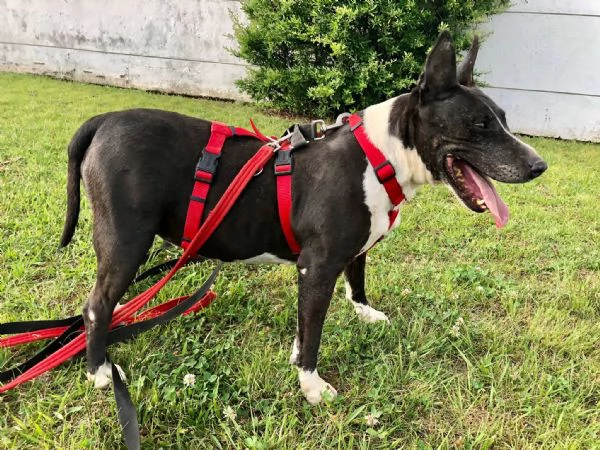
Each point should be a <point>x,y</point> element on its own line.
<point>167,45</point>
<point>542,61</point>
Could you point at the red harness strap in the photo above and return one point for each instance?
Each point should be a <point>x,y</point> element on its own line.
<point>204,175</point>
<point>384,171</point>
<point>205,172</point>
<point>284,166</point>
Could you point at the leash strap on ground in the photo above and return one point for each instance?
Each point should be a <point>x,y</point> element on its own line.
<point>125,407</point>
<point>35,325</point>
<point>125,410</point>
<point>36,330</point>
<point>25,338</point>
<point>67,336</point>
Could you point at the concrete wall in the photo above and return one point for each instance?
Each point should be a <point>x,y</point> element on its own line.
<point>542,61</point>
<point>166,45</point>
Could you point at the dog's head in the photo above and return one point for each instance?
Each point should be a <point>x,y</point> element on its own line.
<point>461,134</point>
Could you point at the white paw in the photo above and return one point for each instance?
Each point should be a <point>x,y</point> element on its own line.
<point>368,314</point>
<point>103,376</point>
<point>313,386</point>
<point>295,352</point>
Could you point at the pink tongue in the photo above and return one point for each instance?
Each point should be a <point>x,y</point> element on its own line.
<point>497,207</point>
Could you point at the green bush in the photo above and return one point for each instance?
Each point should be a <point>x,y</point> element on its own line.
<point>321,57</point>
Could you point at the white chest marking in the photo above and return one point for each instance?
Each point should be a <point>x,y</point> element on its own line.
<point>410,170</point>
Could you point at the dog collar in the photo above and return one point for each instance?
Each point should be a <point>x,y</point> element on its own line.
<point>384,171</point>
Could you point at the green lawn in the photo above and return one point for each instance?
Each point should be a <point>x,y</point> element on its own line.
<point>522,371</point>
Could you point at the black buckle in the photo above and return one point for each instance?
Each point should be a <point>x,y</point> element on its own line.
<point>283,159</point>
<point>208,163</point>
<point>391,174</point>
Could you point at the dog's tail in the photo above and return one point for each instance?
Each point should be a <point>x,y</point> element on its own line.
<point>77,148</point>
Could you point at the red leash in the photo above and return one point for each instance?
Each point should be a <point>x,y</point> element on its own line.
<point>33,336</point>
<point>126,313</point>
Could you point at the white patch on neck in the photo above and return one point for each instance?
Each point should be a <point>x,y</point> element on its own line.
<point>410,170</point>
<point>266,258</point>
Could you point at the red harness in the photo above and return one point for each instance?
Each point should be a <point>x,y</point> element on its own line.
<point>205,172</point>
<point>384,171</point>
<point>284,167</point>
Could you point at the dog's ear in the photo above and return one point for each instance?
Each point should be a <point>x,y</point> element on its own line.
<point>465,69</point>
<point>440,68</point>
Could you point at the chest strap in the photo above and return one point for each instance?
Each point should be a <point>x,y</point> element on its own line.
<point>384,171</point>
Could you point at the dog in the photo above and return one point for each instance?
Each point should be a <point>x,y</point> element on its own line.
<point>137,167</point>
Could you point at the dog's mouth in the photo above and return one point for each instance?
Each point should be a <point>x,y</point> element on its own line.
<point>475,190</point>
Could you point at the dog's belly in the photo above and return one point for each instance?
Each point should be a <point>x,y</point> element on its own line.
<point>266,258</point>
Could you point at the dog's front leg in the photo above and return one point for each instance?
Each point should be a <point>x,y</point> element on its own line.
<point>355,291</point>
<point>316,281</point>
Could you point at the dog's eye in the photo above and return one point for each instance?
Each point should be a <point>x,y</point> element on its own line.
<point>482,125</point>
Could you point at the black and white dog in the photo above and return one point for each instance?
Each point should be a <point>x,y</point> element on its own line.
<point>137,167</point>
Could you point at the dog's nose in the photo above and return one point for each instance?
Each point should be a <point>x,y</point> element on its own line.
<point>538,168</point>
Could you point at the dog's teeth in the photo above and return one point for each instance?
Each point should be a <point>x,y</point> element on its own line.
<point>480,203</point>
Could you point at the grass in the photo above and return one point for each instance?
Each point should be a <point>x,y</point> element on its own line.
<point>522,371</point>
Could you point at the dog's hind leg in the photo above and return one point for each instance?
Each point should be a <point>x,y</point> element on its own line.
<point>316,282</point>
<point>355,291</point>
<point>119,252</point>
